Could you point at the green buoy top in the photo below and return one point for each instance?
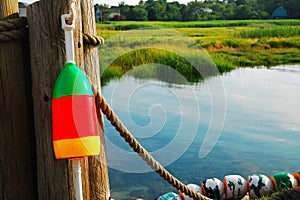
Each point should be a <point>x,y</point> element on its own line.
<point>71,81</point>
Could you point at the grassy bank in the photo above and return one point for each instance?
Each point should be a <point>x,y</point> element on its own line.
<point>231,44</point>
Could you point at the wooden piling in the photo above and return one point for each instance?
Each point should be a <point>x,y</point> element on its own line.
<point>17,142</point>
<point>55,177</point>
<point>98,172</point>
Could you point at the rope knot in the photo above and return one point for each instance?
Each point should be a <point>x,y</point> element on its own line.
<point>13,29</point>
<point>93,40</point>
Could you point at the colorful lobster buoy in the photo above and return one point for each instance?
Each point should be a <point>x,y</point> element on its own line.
<point>259,185</point>
<point>235,187</point>
<point>169,196</point>
<point>213,188</point>
<point>75,125</point>
<point>192,186</point>
<point>284,180</point>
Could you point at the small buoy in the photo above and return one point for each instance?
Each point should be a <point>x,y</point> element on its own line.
<point>193,187</point>
<point>235,187</point>
<point>213,188</point>
<point>284,180</point>
<point>259,185</point>
<point>169,196</point>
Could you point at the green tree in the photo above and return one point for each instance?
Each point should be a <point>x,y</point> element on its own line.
<point>139,13</point>
<point>156,10</point>
<point>218,10</point>
<point>125,10</point>
<point>173,11</point>
<point>193,11</point>
<point>243,12</point>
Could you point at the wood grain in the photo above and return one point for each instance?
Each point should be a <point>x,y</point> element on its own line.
<point>17,142</point>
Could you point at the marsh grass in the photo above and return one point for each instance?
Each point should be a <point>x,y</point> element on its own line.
<point>231,44</point>
<point>128,25</point>
<point>281,31</point>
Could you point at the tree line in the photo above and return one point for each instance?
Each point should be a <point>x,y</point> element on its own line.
<point>161,10</point>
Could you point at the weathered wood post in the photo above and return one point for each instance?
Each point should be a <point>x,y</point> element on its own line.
<point>98,172</point>
<point>17,143</point>
<point>55,177</point>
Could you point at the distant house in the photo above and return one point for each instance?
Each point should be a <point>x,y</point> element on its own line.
<point>22,9</point>
<point>279,13</point>
<point>208,10</point>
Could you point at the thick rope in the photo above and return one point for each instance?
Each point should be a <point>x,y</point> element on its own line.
<point>142,152</point>
<point>13,29</point>
<point>92,40</point>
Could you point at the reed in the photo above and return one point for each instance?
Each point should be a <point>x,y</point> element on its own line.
<point>282,31</point>
<point>128,25</point>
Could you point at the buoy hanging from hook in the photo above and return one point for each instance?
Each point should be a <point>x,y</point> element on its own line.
<point>75,124</point>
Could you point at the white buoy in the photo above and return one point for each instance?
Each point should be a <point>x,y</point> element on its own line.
<point>193,187</point>
<point>213,188</point>
<point>259,185</point>
<point>235,187</point>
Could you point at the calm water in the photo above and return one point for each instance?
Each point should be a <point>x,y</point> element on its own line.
<point>260,132</point>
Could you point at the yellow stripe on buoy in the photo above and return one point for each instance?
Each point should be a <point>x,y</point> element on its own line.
<point>80,146</point>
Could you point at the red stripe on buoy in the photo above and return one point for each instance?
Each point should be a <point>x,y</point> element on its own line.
<point>248,184</point>
<point>297,176</point>
<point>225,186</point>
<point>274,183</point>
<point>203,188</point>
<point>181,195</point>
<point>74,117</point>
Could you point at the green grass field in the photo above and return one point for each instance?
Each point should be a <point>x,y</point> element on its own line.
<point>231,44</point>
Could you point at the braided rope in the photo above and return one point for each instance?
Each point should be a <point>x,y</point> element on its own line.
<point>13,29</point>
<point>141,151</point>
<point>92,40</point>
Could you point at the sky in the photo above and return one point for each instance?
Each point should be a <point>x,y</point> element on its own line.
<point>114,2</point>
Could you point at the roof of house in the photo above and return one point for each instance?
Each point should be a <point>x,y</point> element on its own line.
<point>279,12</point>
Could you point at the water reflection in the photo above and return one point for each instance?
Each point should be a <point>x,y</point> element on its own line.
<point>261,133</point>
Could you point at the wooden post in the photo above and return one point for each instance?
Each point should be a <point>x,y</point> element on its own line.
<point>17,142</point>
<point>98,172</point>
<point>55,177</point>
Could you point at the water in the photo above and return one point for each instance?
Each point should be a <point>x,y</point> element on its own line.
<point>260,132</point>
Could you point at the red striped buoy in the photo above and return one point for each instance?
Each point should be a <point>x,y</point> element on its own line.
<point>75,125</point>
<point>259,185</point>
<point>235,187</point>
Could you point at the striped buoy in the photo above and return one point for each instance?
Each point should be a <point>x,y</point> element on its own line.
<point>259,185</point>
<point>193,187</point>
<point>235,187</point>
<point>213,188</point>
<point>75,125</point>
<point>283,180</point>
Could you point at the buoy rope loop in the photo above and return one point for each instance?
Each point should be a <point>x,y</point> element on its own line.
<point>13,29</point>
<point>93,40</point>
<point>141,151</point>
